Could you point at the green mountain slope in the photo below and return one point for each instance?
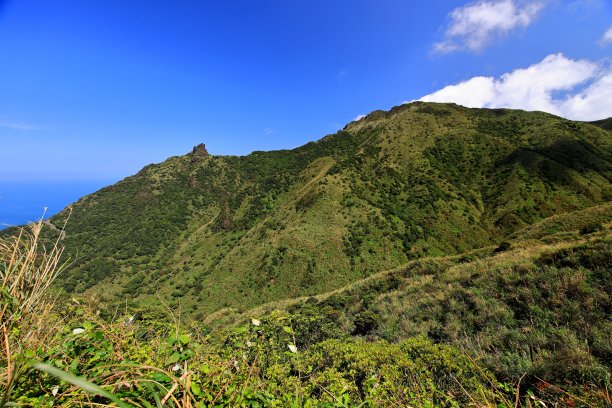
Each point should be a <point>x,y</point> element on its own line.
<point>420,180</point>
<point>531,311</point>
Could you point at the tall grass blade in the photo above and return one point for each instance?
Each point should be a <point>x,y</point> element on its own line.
<point>79,382</point>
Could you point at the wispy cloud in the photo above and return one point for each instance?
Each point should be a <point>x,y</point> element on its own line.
<point>606,38</point>
<point>9,124</point>
<point>575,89</point>
<point>270,130</point>
<point>359,117</point>
<point>341,75</point>
<point>585,5</point>
<point>476,25</point>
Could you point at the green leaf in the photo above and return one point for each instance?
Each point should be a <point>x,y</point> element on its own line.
<point>95,357</point>
<point>288,329</point>
<point>184,338</point>
<point>152,391</point>
<point>160,377</point>
<point>195,389</point>
<point>75,364</point>
<point>79,382</point>
<point>173,358</point>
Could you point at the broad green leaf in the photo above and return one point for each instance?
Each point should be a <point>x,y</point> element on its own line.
<point>173,358</point>
<point>195,389</point>
<point>160,377</point>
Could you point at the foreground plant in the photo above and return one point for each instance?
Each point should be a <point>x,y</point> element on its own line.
<point>310,355</point>
<point>27,269</point>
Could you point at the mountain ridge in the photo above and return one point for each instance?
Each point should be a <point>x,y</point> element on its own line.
<point>421,179</point>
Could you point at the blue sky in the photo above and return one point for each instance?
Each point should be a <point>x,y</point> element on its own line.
<point>94,90</point>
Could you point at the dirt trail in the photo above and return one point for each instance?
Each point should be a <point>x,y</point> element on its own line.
<point>329,162</point>
<point>189,239</point>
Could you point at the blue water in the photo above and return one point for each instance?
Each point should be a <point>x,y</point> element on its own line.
<point>24,201</point>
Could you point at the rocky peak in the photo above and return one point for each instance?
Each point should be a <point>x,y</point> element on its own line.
<point>199,152</point>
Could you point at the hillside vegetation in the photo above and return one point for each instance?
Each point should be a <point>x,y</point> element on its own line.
<point>211,232</point>
<point>524,323</point>
<point>532,308</point>
<point>432,255</point>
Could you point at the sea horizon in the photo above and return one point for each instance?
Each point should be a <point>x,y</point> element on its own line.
<point>24,201</point>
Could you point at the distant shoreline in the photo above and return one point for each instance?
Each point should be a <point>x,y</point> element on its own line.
<point>22,201</point>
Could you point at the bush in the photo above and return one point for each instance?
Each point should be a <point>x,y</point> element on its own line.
<point>503,246</point>
<point>365,323</point>
<point>591,228</point>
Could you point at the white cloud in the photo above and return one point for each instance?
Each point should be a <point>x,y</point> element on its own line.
<point>8,124</point>
<point>575,89</point>
<point>476,25</point>
<point>358,117</point>
<point>270,130</point>
<point>606,38</point>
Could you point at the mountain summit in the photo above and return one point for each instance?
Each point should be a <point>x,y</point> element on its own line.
<point>422,179</point>
<point>199,152</point>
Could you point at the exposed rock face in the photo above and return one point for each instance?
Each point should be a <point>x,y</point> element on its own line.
<point>193,181</point>
<point>199,152</point>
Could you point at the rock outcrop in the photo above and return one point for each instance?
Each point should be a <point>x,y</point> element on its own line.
<point>199,152</point>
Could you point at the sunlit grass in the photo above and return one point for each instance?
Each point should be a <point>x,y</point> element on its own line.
<point>27,270</point>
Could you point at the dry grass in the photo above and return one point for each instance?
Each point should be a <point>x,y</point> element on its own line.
<point>27,269</point>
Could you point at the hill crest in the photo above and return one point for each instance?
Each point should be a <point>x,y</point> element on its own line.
<point>422,179</point>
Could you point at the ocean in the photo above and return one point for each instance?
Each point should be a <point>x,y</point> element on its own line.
<point>24,201</point>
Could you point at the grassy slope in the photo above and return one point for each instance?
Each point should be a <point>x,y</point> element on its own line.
<point>539,308</point>
<point>419,180</point>
<point>527,320</point>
